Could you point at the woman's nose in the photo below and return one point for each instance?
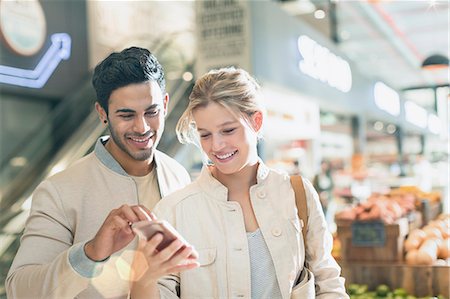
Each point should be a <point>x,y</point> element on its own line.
<point>217,143</point>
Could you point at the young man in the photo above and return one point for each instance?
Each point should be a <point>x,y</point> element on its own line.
<point>77,241</point>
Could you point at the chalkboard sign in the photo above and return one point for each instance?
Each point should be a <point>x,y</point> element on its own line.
<point>368,234</point>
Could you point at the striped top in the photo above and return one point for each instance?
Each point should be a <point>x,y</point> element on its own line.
<point>263,278</point>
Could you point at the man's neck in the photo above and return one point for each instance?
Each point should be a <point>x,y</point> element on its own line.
<point>131,166</point>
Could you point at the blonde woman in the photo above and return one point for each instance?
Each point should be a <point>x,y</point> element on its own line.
<point>239,214</point>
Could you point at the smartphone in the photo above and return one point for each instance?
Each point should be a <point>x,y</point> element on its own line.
<point>148,229</point>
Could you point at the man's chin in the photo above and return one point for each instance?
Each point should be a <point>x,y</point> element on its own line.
<point>143,155</point>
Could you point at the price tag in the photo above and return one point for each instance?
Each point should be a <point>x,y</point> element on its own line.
<point>368,234</point>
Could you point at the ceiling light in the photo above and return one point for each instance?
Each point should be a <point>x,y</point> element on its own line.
<point>391,128</point>
<point>319,14</point>
<point>187,76</point>
<point>435,61</point>
<point>378,126</point>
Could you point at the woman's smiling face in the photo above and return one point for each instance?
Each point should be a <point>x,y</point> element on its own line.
<point>228,140</point>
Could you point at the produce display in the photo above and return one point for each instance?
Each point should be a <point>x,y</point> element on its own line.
<point>425,246</point>
<point>415,259</point>
<point>379,207</point>
<point>388,207</point>
<point>360,291</point>
<point>417,194</point>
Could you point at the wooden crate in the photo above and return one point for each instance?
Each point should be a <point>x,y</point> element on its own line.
<point>391,250</point>
<point>416,280</point>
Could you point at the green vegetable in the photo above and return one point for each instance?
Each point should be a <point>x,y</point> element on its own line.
<point>382,290</point>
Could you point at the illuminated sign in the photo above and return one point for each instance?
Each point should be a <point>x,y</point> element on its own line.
<point>59,50</point>
<point>319,63</point>
<point>386,99</point>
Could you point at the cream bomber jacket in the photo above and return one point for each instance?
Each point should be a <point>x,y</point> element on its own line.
<point>215,226</point>
<point>68,209</point>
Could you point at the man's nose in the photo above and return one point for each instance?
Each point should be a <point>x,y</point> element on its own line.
<point>140,125</point>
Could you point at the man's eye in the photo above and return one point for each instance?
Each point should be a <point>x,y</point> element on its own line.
<point>152,113</point>
<point>126,116</point>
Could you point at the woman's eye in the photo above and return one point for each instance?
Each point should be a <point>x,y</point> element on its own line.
<point>203,136</point>
<point>228,131</point>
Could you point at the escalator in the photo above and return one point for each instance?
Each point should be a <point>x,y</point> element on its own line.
<point>75,129</point>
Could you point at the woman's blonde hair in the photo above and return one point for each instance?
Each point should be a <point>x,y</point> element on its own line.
<point>232,88</point>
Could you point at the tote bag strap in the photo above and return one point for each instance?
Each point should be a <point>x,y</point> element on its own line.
<point>300,201</point>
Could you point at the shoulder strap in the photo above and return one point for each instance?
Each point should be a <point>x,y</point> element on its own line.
<point>300,201</point>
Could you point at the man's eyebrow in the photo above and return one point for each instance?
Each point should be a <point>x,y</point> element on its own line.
<point>153,106</point>
<point>128,110</point>
<point>125,110</point>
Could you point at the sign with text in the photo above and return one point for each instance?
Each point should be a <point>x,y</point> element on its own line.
<point>223,34</point>
<point>368,234</point>
<point>321,64</point>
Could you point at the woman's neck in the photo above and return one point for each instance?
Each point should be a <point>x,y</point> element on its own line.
<point>241,180</point>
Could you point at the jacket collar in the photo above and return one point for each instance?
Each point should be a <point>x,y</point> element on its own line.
<point>216,190</point>
<point>105,157</point>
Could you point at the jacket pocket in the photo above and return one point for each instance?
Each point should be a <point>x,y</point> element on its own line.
<point>206,256</point>
<point>202,282</point>
<point>306,287</point>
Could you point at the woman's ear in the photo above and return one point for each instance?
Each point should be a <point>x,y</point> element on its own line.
<point>257,120</point>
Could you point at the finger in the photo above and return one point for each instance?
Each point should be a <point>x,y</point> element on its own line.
<point>184,267</point>
<point>129,213</point>
<point>183,256</point>
<point>170,250</point>
<point>153,216</point>
<point>118,223</point>
<point>142,212</point>
<point>150,247</point>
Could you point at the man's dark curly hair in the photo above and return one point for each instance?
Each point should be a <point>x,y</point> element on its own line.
<point>119,69</point>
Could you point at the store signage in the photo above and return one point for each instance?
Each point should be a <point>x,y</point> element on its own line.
<point>223,35</point>
<point>320,63</point>
<point>416,115</point>
<point>58,51</point>
<point>368,234</point>
<point>386,98</point>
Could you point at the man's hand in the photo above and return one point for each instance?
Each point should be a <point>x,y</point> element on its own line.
<point>115,232</point>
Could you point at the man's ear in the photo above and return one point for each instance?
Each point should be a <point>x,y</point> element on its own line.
<point>101,113</point>
<point>166,103</point>
<point>257,120</point>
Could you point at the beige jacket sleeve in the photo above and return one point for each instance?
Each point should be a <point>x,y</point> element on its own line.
<point>327,272</point>
<point>41,268</point>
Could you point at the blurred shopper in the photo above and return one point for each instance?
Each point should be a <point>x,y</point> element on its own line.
<point>323,183</point>
<point>239,214</point>
<point>79,226</point>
